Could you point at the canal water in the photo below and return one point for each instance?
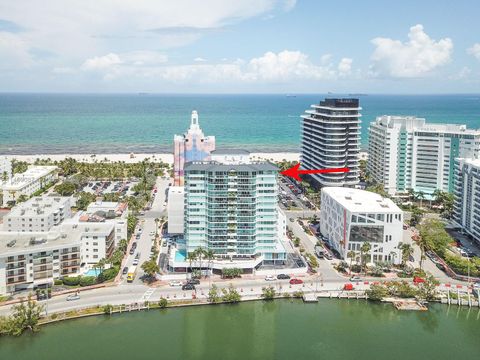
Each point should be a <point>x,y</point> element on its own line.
<point>285,329</point>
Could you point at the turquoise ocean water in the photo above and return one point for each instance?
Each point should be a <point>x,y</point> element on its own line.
<point>56,123</point>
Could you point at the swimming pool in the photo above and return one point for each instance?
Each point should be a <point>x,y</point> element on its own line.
<point>92,272</point>
<point>180,255</point>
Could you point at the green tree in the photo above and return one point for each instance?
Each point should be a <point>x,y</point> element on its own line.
<point>26,316</point>
<point>377,292</point>
<point>65,189</point>
<point>213,295</point>
<point>162,303</point>
<point>150,268</point>
<point>230,295</point>
<point>365,252</point>
<point>351,255</point>
<point>268,293</point>
<point>407,252</point>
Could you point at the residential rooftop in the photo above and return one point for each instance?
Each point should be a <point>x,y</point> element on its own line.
<point>12,243</point>
<point>39,206</point>
<point>356,200</point>
<point>230,152</point>
<point>216,166</point>
<point>33,173</point>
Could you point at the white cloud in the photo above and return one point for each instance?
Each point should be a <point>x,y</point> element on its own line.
<point>415,58</point>
<point>77,32</point>
<point>269,68</point>
<point>199,59</point>
<point>463,74</point>
<point>101,62</point>
<point>475,50</point>
<point>345,66</point>
<point>63,70</point>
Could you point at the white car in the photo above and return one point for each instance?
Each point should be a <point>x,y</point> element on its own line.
<point>73,297</point>
<point>175,283</point>
<point>270,278</point>
<point>135,262</point>
<point>152,233</point>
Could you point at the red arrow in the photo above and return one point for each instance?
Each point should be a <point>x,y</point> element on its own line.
<point>294,171</point>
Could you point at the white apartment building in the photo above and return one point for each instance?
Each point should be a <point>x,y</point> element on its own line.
<point>37,258</point>
<point>27,183</point>
<point>116,212</point>
<point>38,214</point>
<point>351,217</point>
<point>466,212</point>
<point>331,139</point>
<point>405,153</point>
<point>97,239</point>
<point>175,209</point>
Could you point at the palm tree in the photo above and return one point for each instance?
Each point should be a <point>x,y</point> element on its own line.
<point>407,252</point>
<point>210,255</point>
<point>157,220</point>
<point>423,244</point>
<point>150,268</point>
<point>200,252</point>
<point>351,254</point>
<point>365,250</point>
<point>421,196</point>
<point>192,256</point>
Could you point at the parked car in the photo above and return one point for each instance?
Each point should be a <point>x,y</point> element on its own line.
<point>188,286</point>
<point>135,262</point>
<point>270,278</point>
<point>73,297</point>
<point>355,278</point>
<point>193,281</point>
<point>295,281</point>
<point>152,233</point>
<point>125,270</point>
<point>327,256</point>
<point>283,277</point>
<point>175,283</point>
<point>132,251</point>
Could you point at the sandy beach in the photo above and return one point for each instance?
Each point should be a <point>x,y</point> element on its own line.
<point>131,158</point>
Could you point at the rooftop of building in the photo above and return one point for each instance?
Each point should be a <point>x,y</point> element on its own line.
<point>356,200</point>
<point>340,102</point>
<point>101,227</point>
<point>471,162</point>
<point>117,208</point>
<point>421,125</point>
<point>216,166</point>
<point>230,152</point>
<point>23,242</point>
<point>39,206</point>
<point>33,173</point>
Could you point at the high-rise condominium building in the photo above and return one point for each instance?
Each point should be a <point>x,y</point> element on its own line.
<point>405,152</point>
<point>191,146</point>
<point>467,196</point>
<point>232,210</point>
<point>331,139</point>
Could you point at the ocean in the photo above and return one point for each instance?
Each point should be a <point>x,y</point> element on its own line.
<point>146,123</point>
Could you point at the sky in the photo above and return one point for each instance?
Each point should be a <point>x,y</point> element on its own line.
<point>240,46</point>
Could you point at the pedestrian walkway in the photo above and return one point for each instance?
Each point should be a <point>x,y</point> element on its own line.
<point>148,294</point>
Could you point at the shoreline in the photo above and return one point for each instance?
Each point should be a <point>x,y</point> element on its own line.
<point>127,157</point>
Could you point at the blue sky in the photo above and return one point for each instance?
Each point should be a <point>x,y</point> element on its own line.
<point>232,46</point>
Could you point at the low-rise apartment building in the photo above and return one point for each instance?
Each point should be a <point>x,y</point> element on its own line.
<point>34,259</point>
<point>27,183</point>
<point>39,213</point>
<point>351,217</point>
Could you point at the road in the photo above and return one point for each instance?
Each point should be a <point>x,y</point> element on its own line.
<point>148,226</point>
<point>133,293</point>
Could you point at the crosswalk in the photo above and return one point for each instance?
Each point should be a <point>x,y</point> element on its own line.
<point>146,296</point>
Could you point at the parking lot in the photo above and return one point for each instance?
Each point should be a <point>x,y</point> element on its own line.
<point>123,188</point>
